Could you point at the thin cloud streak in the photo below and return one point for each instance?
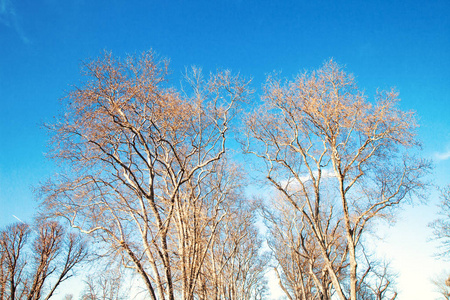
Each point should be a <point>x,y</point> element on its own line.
<point>18,219</point>
<point>9,18</point>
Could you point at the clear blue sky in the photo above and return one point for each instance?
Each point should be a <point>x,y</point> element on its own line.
<point>405,44</point>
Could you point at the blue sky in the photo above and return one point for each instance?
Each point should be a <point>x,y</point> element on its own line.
<point>405,44</point>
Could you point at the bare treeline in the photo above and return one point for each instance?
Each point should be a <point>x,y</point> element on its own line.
<point>146,172</point>
<point>35,260</point>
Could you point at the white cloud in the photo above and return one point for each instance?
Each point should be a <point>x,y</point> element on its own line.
<point>442,155</point>
<point>294,184</point>
<point>9,18</point>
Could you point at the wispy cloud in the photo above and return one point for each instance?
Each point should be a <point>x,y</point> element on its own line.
<point>9,18</point>
<point>442,155</point>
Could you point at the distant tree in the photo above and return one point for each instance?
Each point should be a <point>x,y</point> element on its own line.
<point>441,226</point>
<point>442,285</point>
<point>12,242</point>
<point>35,261</point>
<point>105,284</point>
<point>299,266</point>
<point>319,133</point>
<point>377,282</point>
<point>236,268</point>
<point>145,168</point>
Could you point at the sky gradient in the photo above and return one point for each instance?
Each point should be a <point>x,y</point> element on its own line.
<point>401,44</point>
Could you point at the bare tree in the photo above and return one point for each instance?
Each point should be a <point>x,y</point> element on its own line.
<point>300,268</point>
<point>442,284</point>
<point>441,231</point>
<point>12,242</point>
<point>377,281</point>
<point>35,270</point>
<point>319,130</point>
<point>144,166</point>
<point>236,267</point>
<point>3,274</point>
<point>105,284</point>
<point>441,226</point>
